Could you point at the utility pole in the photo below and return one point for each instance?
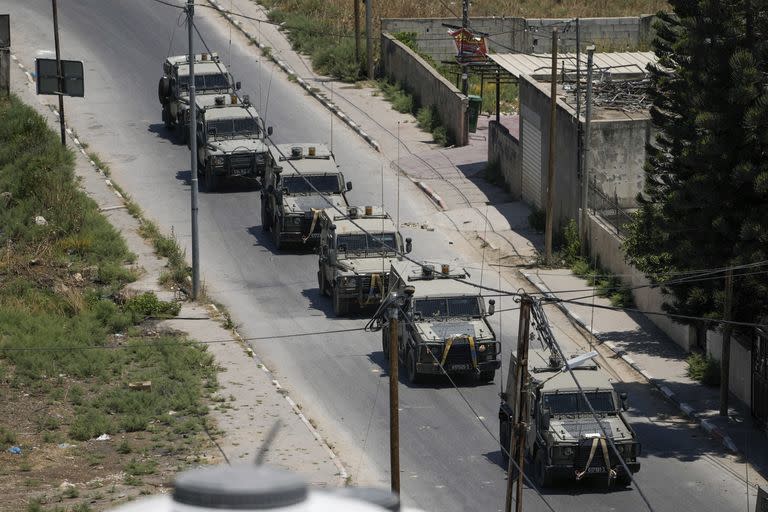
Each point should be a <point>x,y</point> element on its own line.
<point>552,137</point>
<point>369,36</point>
<point>193,151</point>
<point>585,165</point>
<point>464,25</point>
<point>356,5</point>
<point>59,73</point>
<point>394,415</point>
<point>578,99</point>
<point>725,356</point>
<point>521,410</point>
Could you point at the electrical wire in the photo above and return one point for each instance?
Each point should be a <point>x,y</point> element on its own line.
<point>181,342</point>
<point>540,319</point>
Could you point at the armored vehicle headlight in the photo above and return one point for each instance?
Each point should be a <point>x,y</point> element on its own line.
<point>567,451</point>
<point>348,281</point>
<point>296,220</point>
<point>481,348</point>
<point>218,160</point>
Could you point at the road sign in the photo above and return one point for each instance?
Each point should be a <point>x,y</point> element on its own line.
<point>48,81</point>
<point>5,30</point>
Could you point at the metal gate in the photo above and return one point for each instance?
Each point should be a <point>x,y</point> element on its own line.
<point>760,378</point>
<point>531,136</point>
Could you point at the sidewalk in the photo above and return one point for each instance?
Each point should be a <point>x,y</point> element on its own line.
<point>488,219</point>
<point>662,363</point>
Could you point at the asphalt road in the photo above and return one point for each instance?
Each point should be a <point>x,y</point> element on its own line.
<point>449,461</point>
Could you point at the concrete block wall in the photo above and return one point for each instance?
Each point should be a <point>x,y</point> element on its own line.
<point>617,156</point>
<point>428,87</point>
<point>531,35</point>
<point>606,247</point>
<point>505,149</point>
<point>740,376</point>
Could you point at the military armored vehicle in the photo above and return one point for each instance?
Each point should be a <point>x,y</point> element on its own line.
<point>445,326</point>
<point>564,441</point>
<point>300,180</point>
<point>211,77</point>
<point>357,249</point>
<point>231,141</point>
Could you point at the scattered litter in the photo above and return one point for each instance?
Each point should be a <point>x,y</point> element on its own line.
<point>172,413</point>
<point>40,221</point>
<point>64,446</point>
<point>78,277</point>
<point>14,450</point>
<point>103,437</point>
<point>138,386</point>
<point>66,485</point>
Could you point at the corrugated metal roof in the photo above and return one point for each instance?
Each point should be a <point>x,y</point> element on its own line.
<point>518,64</point>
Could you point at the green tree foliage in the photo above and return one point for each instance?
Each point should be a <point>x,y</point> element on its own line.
<point>705,203</point>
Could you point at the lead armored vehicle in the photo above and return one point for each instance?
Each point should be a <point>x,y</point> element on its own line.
<point>231,142</point>
<point>211,77</point>
<point>564,441</point>
<point>300,180</point>
<point>445,328</point>
<point>357,249</point>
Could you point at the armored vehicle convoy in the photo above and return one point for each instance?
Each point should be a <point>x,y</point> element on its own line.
<point>357,249</point>
<point>445,326</point>
<point>564,440</point>
<point>300,180</point>
<point>231,141</point>
<point>211,77</point>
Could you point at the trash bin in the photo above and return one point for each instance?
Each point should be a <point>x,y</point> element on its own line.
<point>474,107</point>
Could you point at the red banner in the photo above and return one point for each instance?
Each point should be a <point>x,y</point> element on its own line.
<point>469,47</point>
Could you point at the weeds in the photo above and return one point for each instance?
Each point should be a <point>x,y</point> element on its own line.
<point>394,93</point>
<point>703,369</point>
<point>7,437</point>
<point>428,120</point>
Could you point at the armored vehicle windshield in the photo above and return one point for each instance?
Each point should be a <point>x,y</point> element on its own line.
<point>573,403</point>
<point>367,243</point>
<point>234,127</point>
<point>447,307</point>
<point>204,82</point>
<point>329,184</point>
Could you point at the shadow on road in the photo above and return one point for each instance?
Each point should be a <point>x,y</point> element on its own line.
<point>170,134</point>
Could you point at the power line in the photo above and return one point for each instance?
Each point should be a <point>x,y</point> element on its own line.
<point>180,342</point>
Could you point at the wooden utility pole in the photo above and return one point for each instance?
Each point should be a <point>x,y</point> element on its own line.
<point>59,73</point>
<point>725,356</point>
<point>583,230</point>
<point>369,37</point>
<point>356,4</point>
<point>464,24</point>
<point>521,410</point>
<point>394,415</point>
<point>552,140</point>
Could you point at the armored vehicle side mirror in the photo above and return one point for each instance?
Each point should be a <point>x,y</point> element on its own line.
<point>491,307</point>
<point>408,245</point>
<point>349,186</point>
<point>623,400</point>
<point>269,131</point>
<point>409,290</point>
<point>237,86</point>
<point>545,416</point>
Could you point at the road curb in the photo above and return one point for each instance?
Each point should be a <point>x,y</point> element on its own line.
<point>432,194</point>
<point>705,424</point>
<point>293,75</point>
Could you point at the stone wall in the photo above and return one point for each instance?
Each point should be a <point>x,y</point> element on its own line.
<point>428,87</point>
<point>504,149</point>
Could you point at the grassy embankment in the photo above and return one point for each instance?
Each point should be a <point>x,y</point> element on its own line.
<point>77,356</point>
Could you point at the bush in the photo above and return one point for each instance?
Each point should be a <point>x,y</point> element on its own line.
<point>90,423</point>
<point>703,369</point>
<point>147,304</point>
<point>571,248</point>
<point>7,436</point>
<point>394,93</point>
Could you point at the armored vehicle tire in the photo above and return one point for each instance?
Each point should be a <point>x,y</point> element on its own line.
<point>487,376</point>
<point>541,476</point>
<point>339,306</point>
<point>504,442</point>
<point>276,236</point>
<point>385,343</point>
<point>211,180</point>
<point>166,118</point>
<point>266,222</point>
<point>410,368</point>
<point>622,481</point>
<point>163,88</point>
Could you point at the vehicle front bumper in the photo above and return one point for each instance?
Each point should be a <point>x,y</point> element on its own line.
<point>462,368</point>
<point>568,471</point>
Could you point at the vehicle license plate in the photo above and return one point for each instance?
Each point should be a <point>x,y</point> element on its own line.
<point>239,172</point>
<point>596,469</point>
<point>458,367</point>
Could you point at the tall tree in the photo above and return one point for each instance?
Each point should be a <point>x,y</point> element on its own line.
<point>705,202</point>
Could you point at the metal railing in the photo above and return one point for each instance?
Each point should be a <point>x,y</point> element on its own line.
<point>608,209</point>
